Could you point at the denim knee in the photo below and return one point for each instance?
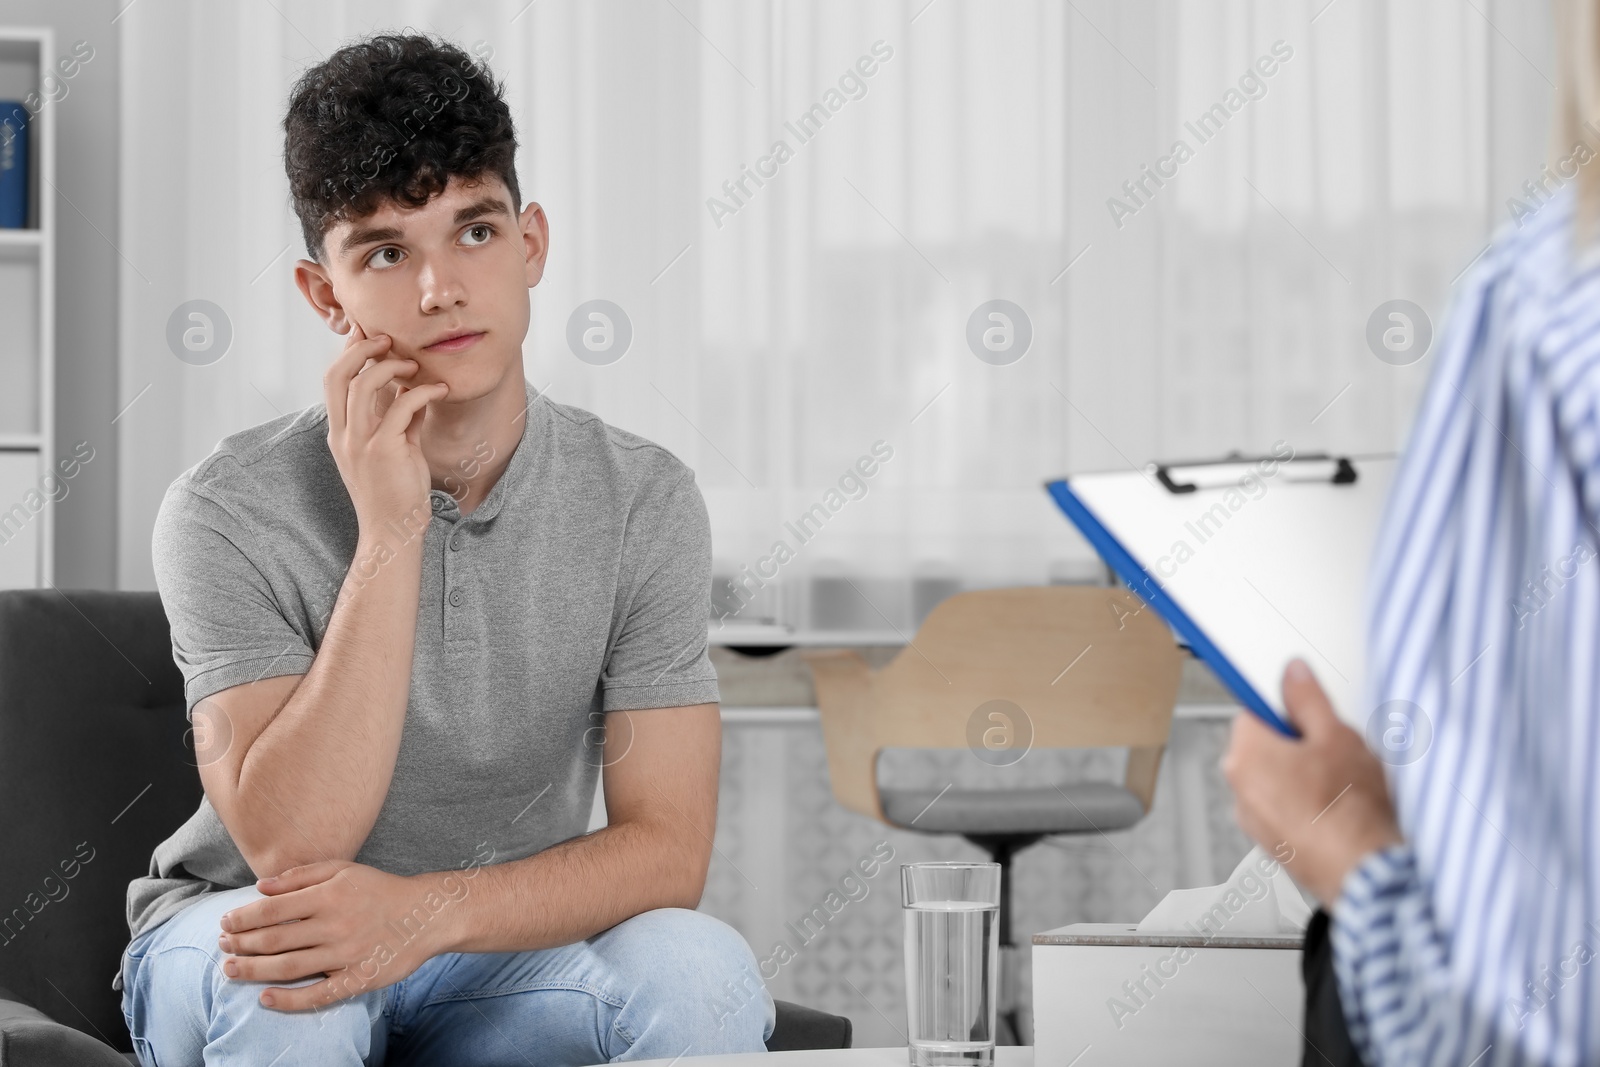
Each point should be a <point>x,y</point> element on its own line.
<point>706,970</point>
<point>185,1009</point>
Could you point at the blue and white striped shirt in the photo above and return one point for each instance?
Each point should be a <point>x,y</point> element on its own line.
<point>1478,940</point>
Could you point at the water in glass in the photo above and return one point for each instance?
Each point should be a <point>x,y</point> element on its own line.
<point>952,976</point>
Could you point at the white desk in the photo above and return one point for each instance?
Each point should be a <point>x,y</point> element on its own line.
<point>796,714</point>
<point>1004,1056</point>
<point>747,635</point>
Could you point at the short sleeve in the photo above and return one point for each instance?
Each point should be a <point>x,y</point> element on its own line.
<point>660,658</point>
<point>227,628</point>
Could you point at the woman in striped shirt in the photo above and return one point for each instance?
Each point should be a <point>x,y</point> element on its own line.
<point>1464,887</point>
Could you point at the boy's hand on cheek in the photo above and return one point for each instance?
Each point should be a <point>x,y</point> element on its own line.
<point>374,430</point>
<point>358,334</point>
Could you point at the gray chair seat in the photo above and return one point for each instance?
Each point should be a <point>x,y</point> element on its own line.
<point>1074,807</point>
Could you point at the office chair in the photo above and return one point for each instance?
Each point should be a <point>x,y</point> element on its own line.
<point>1001,671</point>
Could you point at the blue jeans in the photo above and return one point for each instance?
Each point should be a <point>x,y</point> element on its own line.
<point>661,984</point>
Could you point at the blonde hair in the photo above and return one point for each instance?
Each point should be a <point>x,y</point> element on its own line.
<point>1577,48</point>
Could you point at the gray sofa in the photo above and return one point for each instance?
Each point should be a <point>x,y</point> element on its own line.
<point>95,770</point>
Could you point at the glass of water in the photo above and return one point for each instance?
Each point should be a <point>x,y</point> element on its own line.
<point>952,915</point>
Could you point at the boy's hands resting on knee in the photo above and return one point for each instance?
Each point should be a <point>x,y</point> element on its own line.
<point>360,927</point>
<point>1323,796</point>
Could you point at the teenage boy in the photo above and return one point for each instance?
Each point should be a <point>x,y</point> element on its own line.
<point>414,623</point>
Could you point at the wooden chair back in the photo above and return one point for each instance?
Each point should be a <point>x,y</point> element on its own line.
<point>1089,666</point>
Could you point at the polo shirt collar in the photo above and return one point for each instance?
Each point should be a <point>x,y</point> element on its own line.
<point>521,460</point>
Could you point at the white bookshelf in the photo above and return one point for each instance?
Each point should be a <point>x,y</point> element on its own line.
<point>27,340</point>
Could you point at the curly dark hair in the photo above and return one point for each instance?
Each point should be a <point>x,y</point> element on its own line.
<point>392,117</point>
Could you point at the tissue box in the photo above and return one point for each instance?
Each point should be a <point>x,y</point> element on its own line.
<point>1165,999</point>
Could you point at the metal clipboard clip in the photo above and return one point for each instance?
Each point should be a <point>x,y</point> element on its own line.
<point>1340,470</point>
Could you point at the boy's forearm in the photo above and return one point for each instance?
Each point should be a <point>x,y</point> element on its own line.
<point>572,890</point>
<point>312,783</point>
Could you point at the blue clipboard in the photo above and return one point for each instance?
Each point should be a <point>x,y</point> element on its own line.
<point>1145,585</point>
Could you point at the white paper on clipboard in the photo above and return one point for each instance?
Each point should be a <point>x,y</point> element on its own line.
<point>1268,558</point>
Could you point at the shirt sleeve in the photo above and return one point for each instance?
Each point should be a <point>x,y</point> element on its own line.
<point>1391,961</point>
<point>227,627</point>
<point>660,657</point>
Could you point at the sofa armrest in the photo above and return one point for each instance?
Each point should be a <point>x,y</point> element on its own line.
<point>799,1027</point>
<point>30,1038</point>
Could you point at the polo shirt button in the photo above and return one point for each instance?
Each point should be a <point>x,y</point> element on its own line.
<point>455,598</point>
<point>438,505</point>
<point>455,542</point>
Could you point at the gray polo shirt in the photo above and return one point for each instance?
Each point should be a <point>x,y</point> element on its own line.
<point>581,584</point>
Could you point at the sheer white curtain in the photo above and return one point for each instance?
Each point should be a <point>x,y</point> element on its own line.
<point>777,338</point>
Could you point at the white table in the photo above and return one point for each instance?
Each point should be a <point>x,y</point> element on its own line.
<point>1004,1056</point>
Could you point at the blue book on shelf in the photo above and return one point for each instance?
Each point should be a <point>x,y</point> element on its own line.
<point>15,132</point>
